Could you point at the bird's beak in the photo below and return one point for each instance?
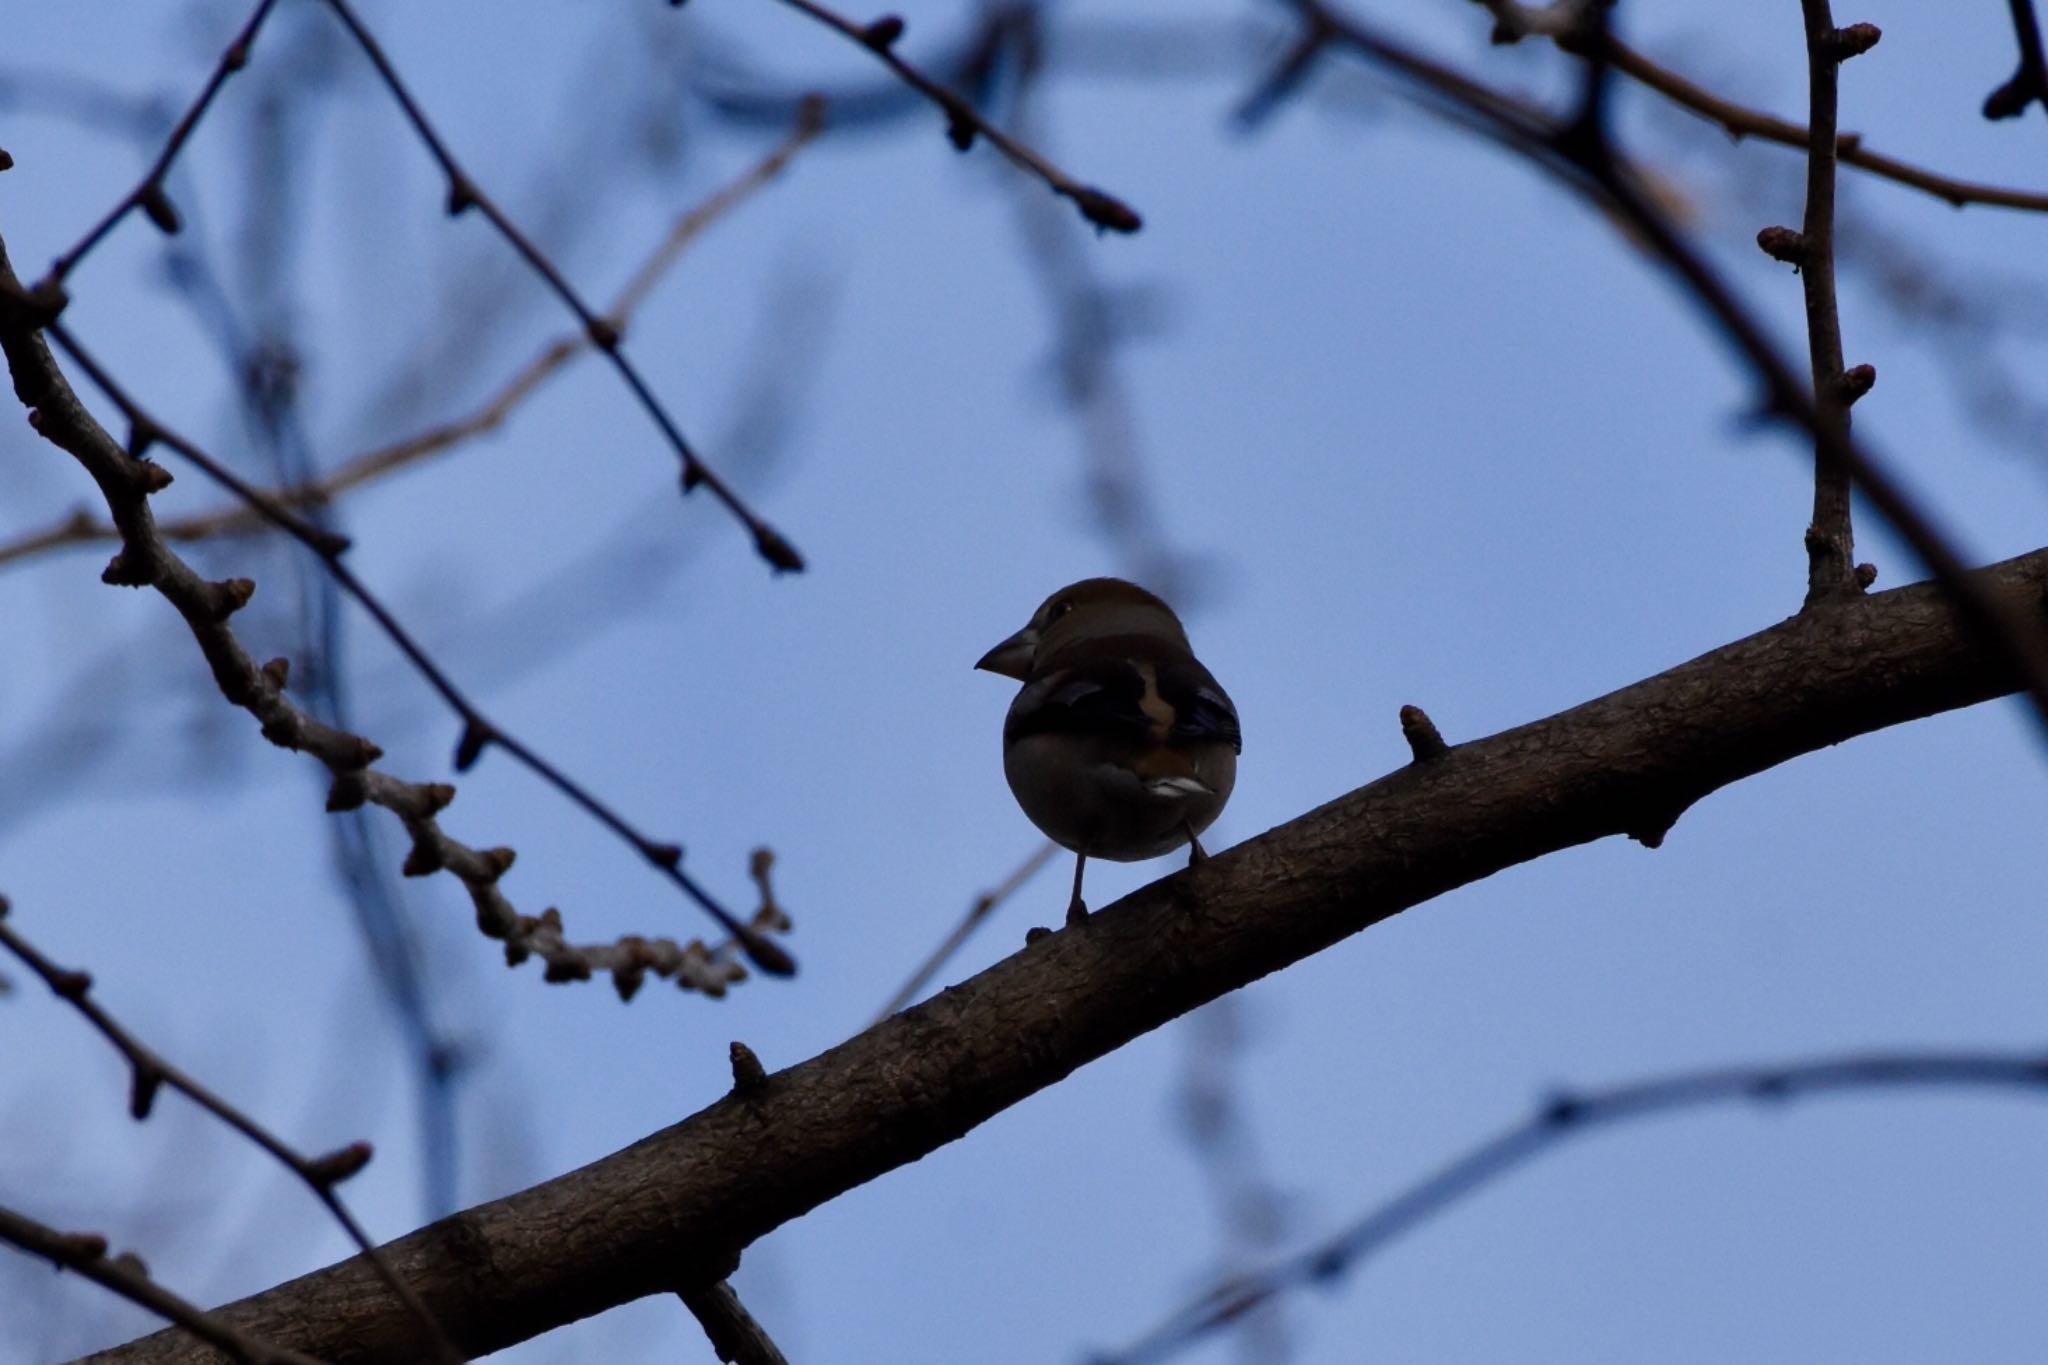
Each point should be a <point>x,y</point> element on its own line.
<point>1012,658</point>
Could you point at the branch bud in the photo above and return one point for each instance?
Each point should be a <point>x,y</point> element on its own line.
<point>1852,41</point>
<point>1783,244</point>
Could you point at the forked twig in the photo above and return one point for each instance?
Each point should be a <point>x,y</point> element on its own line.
<point>149,1073</point>
<point>82,527</point>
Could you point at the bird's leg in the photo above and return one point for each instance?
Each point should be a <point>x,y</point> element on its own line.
<point>1196,853</point>
<point>1076,910</point>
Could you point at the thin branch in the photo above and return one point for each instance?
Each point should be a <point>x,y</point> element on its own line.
<point>1515,21</point>
<point>148,194</point>
<point>464,194</point>
<point>1830,537</point>
<point>964,122</point>
<point>239,518</point>
<point>691,1197</point>
<point>1578,154</point>
<point>2029,84</point>
<point>149,1073</point>
<point>978,911</point>
<point>85,1253</point>
<point>735,1336</point>
<point>1555,1122</point>
<point>478,732</point>
<point>126,481</point>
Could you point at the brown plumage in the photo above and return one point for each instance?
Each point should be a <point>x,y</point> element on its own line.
<point>1120,744</point>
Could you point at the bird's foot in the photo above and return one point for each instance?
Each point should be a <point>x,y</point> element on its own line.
<point>1077,912</point>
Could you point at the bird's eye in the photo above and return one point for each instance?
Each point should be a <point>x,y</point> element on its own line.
<point>1061,609</point>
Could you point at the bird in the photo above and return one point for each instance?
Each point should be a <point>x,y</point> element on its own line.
<point>1120,744</point>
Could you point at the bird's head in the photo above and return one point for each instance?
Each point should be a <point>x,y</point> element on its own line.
<point>1092,609</point>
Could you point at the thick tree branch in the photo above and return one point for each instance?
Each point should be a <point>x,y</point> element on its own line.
<point>683,1203</point>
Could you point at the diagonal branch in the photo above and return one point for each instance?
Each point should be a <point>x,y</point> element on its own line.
<point>1514,21</point>
<point>1578,155</point>
<point>149,1073</point>
<point>1558,1120</point>
<point>148,194</point>
<point>85,1253</point>
<point>240,518</point>
<point>735,1335</point>
<point>964,122</point>
<point>691,1197</point>
<point>2029,84</point>
<point>464,194</point>
<point>126,480</point>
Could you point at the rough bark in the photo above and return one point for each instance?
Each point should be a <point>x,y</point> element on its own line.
<point>678,1207</point>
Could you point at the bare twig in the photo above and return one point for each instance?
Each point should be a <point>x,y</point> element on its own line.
<point>149,1073</point>
<point>85,1253</point>
<point>1556,1121</point>
<point>1830,537</point>
<point>82,527</point>
<point>1424,741</point>
<point>978,910</point>
<point>2029,84</point>
<point>478,732</point>
<point>964,122</point>
<point>1514,21</point>
<point>464,194</point>
<point>126,480</point>
<point>148,194</point>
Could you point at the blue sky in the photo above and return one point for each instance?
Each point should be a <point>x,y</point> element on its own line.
<point>1429,432</point>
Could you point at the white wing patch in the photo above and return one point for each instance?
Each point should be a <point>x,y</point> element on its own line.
<point>1179,787</point>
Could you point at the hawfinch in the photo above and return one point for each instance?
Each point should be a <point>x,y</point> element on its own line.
<point>1120,744</point>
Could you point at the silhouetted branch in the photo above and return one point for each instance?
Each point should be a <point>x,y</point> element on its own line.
<point>683,1202</point>
<point>978,910</point>
<point>85,1253</point>
<point>1514,21</point>
<point>149,1073</point>
<point>127,480</point>
<point>1830,538</point>
<point>603,333</point>
<point>1578,154</point>
<point>2029,84</point>
<point>964,122</point>
<point>1556,1121</point>
<point>82,527</point>
<point>148,194</point>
